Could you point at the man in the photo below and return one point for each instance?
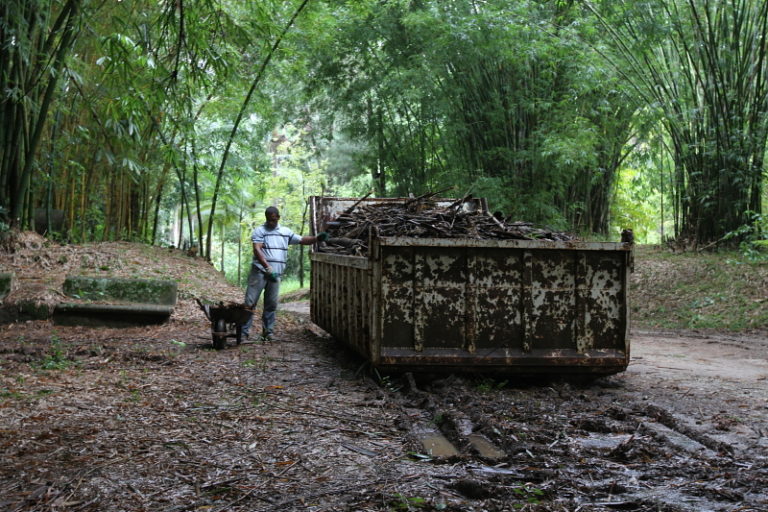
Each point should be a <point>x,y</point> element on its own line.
<point>270,253</point>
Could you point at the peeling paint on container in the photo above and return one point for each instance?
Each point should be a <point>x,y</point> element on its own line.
<point>527,307</point>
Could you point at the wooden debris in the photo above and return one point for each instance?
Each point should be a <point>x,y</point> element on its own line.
<point>421,217</point>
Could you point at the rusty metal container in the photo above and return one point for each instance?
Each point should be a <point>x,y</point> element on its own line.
<point>518,306</point>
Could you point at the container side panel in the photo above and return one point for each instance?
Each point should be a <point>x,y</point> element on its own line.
<point>494,278</point>
<point>602,290</point>
<point>315,298</point>
<point>499,318</point>
<point>353,313</point>
<point>341,304</point>
<point>363,312</point>
<point>397,297</point>
<point>440,277</point>
<point>551,319</point>
<point>336,299</point>
<point>534,363</point>
<point>604,270</point>
<point>554,270</point>
<point>439,319</point>
<point>343,277</point>
<point>551,300</point>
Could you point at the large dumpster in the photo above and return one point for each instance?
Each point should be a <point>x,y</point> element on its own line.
<point>525,307</point>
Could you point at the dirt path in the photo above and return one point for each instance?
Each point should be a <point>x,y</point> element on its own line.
<point>698,359</point>
<point>720,383</point>
<point>152,419</point>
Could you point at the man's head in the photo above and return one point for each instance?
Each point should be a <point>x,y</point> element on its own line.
<point>272,215</point>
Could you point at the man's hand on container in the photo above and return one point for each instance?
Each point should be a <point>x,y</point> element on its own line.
<point>322,237</point>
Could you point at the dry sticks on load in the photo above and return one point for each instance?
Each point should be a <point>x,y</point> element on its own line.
<point>422,218</point>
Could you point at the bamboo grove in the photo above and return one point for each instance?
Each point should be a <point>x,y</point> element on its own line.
<point>170,121</point>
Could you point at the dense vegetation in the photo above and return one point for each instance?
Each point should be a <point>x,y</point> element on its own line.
<point>177,122</point>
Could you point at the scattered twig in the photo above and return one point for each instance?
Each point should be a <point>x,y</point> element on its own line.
<point>335,416</point>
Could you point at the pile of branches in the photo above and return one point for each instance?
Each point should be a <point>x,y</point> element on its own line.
<point>421,217</point>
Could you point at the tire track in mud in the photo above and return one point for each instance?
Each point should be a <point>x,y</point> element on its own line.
<point>668,419</point>
<point>589,447</point>
<point>649,439</point>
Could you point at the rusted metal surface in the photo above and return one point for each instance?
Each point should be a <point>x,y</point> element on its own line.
<point>526,306</point>
<point>342,299</point>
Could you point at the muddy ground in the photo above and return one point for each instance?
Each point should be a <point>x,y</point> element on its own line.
<point>153,419</point>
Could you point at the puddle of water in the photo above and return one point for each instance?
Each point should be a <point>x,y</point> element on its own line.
<point>485,448</point>
<point>436,445</point>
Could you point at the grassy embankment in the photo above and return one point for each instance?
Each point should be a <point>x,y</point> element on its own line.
<point>720,291</point>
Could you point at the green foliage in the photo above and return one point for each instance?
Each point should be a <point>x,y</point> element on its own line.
<point>488,385</point>
<point>434,94</point>
<point>56,359</point>
<point>37,38</point>
<point>289,285</point>
<point>529,493</point>
<point>177,123</point>
<point>6,393</point>
<point>635,206</point>
<point>752,237</point>
<point>296,174</point>
<point>402,502</point>
<point>679,59</point>
<point>387,382</point>
<point>4,226</point>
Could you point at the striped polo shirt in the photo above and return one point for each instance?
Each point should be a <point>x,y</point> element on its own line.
<point>276,242</point>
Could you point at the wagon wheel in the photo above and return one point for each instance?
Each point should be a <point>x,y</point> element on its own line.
<point>220,334</point>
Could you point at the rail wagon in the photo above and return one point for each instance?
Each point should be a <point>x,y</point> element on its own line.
<point>525,307</point>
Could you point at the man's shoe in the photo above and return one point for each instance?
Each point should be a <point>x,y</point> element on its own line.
<point>267,337</point>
